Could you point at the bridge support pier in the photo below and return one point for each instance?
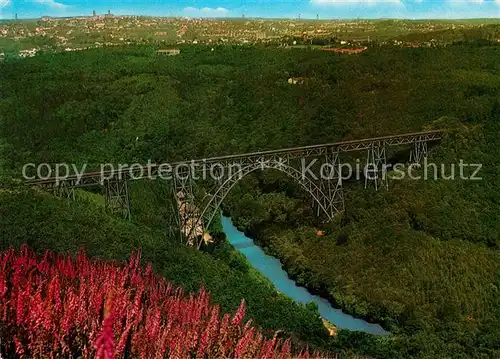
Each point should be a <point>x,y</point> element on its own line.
<point>419,152</point>
<point>331,186</point>
<point>64,190</point>
<point>116,196</point>
<point>376,170</point>
<point>184,221</point>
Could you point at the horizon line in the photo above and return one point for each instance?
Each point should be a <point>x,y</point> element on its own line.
<point>252,18</point>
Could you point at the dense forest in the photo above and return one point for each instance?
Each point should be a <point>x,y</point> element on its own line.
<point>422,259</point>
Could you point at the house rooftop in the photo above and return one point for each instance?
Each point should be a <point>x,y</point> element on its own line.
<point>169,51</point>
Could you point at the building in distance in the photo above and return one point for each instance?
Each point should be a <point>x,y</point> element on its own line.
<point>168,52</point>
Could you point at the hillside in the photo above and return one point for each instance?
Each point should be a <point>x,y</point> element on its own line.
<point>59,306</point>
<point>422,259</point>
<point>45,223</point>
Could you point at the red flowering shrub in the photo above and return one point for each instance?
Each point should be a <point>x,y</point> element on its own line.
<point>57,306</point>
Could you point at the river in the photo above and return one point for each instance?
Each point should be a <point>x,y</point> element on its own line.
<point>271,268</point>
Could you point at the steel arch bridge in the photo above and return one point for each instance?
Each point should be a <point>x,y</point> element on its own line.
<point>195,199</point>
<point>327,196</point>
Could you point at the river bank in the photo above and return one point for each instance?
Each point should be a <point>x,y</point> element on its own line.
<point>272,269</point>
<point>302,277</point>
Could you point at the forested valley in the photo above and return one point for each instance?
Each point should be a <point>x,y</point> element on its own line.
<point>422,259</point>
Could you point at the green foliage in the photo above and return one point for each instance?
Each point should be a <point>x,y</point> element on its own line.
<point>422,259</point>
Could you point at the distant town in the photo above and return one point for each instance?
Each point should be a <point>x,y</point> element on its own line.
<point>25,38</point>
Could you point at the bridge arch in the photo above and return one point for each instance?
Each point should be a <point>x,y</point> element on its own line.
<point>213,205</point>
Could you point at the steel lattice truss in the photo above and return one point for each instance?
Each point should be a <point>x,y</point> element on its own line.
<point>195,217</point>
<point>65,191</point>
<point>375,170</point>
<point>194,205</point>
<point>117,198</point>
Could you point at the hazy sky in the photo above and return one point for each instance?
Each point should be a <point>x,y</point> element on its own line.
<point>325,9</point>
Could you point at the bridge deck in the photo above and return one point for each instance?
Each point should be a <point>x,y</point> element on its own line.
<point>343,146</point>
<point>293,152</point>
